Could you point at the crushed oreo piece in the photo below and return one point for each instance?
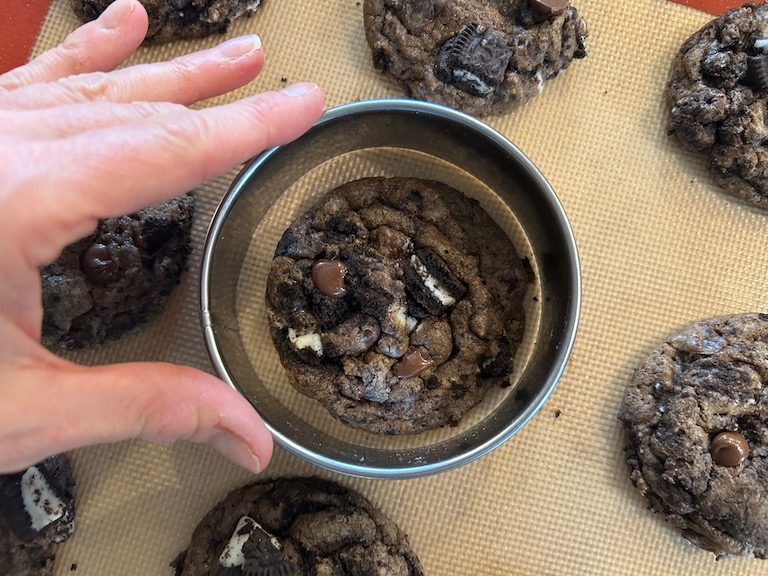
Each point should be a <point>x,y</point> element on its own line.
<point>263,558</point>
<point>474,60</point>
<point>428,279</point>
<point>757,67</point>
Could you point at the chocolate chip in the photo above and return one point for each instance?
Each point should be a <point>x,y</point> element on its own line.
<point>543,10</point>
<point>98,263</point>
<point>475,60</point>
<point>328,276</point>
<point>729,449</point>
<point>413,364</point>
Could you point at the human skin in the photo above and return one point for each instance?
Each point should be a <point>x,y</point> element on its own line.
<point>64,119</point>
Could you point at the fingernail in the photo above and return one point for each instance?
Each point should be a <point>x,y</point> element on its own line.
<point>236,451</point>
<point>300,89</point>
<point>116,13</point>
<point>238,47</point>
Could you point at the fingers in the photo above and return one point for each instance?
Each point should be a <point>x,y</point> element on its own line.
<point>184,80</point>
<point>100,45</point>
<point>72,406</point>
<point>69,120</point>
<point>74,182</point>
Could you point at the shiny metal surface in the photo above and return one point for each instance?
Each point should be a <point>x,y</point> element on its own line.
<point>468,144</point>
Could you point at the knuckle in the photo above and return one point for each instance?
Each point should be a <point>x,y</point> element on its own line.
<point>71,55</point>
<point>94,87</point>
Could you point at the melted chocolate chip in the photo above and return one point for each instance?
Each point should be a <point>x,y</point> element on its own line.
<point>413,364</point>
<point>98,263</point>
<point>475,60</point>
<point>543,10</point>
<point>328,276</point>
<point>729,449</point>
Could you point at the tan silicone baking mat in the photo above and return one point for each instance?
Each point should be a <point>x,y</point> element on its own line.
<point>660,246</point>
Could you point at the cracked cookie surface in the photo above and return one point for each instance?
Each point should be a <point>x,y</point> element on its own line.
<point>695,420</point>
<point>717,95</point>
<point>396,303</point>
<point>480,56</point>
<point>297,526</point>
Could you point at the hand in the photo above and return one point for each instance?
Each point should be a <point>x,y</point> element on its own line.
<point>80,141</point>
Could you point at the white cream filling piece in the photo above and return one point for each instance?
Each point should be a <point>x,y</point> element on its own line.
<point>762,45</point>
<point>473,79</point>
<point>301,341</point>
<point>232,555</point>
<point>431,283</point>
<point>40,501</point>
<point>399,316</point>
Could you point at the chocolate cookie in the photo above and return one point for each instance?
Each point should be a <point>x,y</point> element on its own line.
<point>696,433</point>
<point>178,19</point>
<point>717,95</point>
<point>37,511</point>
<point>480,56</point>
<point>297,526</point>
<point>396,303</point>
<point>105,285</point>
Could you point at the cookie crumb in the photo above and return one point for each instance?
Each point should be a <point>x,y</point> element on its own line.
<point>558,412</point>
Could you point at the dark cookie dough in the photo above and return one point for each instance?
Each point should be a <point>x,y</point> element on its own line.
<point>430,314</point>
<point>480,56</point>
<point>717,95</point>
<point>105,285</point>
<point>178,19</point>
<point>301,526</point>
<point>37,511</point>
<point>696,433</point>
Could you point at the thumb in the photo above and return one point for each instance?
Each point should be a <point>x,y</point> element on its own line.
<point>52,409</point>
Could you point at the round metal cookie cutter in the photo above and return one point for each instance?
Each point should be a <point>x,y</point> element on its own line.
<point>433,131</point>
